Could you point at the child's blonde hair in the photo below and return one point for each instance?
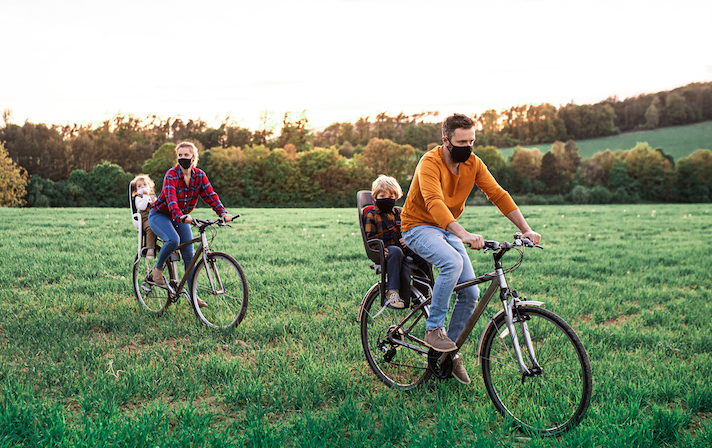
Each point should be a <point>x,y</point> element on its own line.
<point>384,184</point>
<point>149,182</point>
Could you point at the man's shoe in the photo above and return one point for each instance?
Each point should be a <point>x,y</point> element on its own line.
<point>458,370</point>
<point>394,301</point>
<point>438,340</point>
<point>157,275</point>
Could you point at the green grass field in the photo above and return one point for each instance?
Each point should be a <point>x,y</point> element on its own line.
<point>82,365</point>
<point>678,141</point>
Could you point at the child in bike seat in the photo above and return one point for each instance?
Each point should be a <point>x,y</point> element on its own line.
<point>142,190</point>
<point>383,222</point>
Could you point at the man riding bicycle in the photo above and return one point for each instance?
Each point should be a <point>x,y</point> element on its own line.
<point>443,180</point>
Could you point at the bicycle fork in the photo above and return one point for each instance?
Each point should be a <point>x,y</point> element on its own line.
<point>509,308</point>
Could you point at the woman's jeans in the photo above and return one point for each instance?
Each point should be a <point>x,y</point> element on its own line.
<point>172,233</point>
<point>445,251</point>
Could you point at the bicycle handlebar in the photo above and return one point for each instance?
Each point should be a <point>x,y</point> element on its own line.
<point>518,242</point>
<point>197,222</point>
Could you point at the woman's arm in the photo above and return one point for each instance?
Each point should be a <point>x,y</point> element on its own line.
<point>209,195</point>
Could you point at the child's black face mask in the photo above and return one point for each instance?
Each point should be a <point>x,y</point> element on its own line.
<point>385,204</point>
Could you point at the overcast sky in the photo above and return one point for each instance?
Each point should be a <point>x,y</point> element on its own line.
<point>84,61</point>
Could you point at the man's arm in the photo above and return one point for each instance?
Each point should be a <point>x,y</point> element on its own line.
<point>518,220</point>
<point>471,240</point>
<point>475,241</point>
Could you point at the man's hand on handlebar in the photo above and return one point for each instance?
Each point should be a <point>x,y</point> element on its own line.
<point>532,236</point>
<point>473,241</point>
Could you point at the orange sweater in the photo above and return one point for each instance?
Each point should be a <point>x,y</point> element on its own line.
<point>437,196</point>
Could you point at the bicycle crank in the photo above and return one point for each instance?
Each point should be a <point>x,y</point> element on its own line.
<point>440,370</point>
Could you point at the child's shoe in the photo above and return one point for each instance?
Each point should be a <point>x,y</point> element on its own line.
<point>150,254</point>
<point>393,300</point>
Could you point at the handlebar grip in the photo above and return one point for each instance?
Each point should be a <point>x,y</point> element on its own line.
<point>491,245</point>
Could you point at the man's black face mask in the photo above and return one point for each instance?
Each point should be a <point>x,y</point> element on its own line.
<point>459,154</point>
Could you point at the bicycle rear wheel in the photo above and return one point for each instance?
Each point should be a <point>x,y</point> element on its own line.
<point>153,298</point>
<point>226,298</point>
<point>396,365</point>
<point>548,403</point>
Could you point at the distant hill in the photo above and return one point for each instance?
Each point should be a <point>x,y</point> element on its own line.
<point>678,141</point>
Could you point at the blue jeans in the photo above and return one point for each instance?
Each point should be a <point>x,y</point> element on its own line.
<point>172,233</point>
<point>445,251</point>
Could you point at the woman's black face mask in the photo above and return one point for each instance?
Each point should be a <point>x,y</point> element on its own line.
<point>185,163</point>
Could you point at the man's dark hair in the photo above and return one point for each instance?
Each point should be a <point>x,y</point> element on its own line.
<point>456,121</point>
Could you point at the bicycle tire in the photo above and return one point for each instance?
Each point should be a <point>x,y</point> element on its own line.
<point>397,366</point>
<point>152,298</point>
<point>555,400</point>
<point>227,308</point>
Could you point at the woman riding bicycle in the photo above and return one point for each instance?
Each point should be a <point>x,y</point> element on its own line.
<point>441,184</point>
<point>170,213</point>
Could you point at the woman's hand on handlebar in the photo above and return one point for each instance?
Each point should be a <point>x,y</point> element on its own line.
<point>186,219</point>
<point>227,217</point>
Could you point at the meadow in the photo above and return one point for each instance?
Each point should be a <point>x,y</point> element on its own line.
<point>82,365</point>
<point>678,141</point>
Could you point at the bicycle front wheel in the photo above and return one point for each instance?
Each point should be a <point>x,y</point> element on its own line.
<point>394,363</point>
<point>549,402</point>
<point>153,298</point>
<point>223,286</point>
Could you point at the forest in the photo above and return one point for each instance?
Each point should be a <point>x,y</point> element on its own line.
<point>90,165</point>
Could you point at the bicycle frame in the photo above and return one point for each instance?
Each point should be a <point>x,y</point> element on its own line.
<point>499,281</point>
<point>202,250</point>
<point>509,299</point>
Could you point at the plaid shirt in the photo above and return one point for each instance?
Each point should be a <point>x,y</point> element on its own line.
<point>178,199</point>
<point>383,226</point>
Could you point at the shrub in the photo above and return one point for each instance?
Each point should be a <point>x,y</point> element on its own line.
<point>600,195</point>
<point>580,195</point>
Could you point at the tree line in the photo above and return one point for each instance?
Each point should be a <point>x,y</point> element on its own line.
<point>90,165</point>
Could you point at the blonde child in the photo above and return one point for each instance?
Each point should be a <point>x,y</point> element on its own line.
<point>142,190</point>
<point>383,222</point>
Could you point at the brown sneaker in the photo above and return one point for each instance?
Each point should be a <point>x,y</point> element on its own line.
<point>157,275</point>
<point>458,370</point>
<point>201,303</point>
<point>150,254</point>
<point>438,340</point>
<point>393,300</point>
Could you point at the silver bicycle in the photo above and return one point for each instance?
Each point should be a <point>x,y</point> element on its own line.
<point>534,366</point>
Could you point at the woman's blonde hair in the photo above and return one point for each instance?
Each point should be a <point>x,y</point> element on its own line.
<point>388,184</point>
<point>192,148</point>
<point>149,182</point>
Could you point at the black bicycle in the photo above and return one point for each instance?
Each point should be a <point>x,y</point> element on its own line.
<point>534,366</point>
<point>217,279</point>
